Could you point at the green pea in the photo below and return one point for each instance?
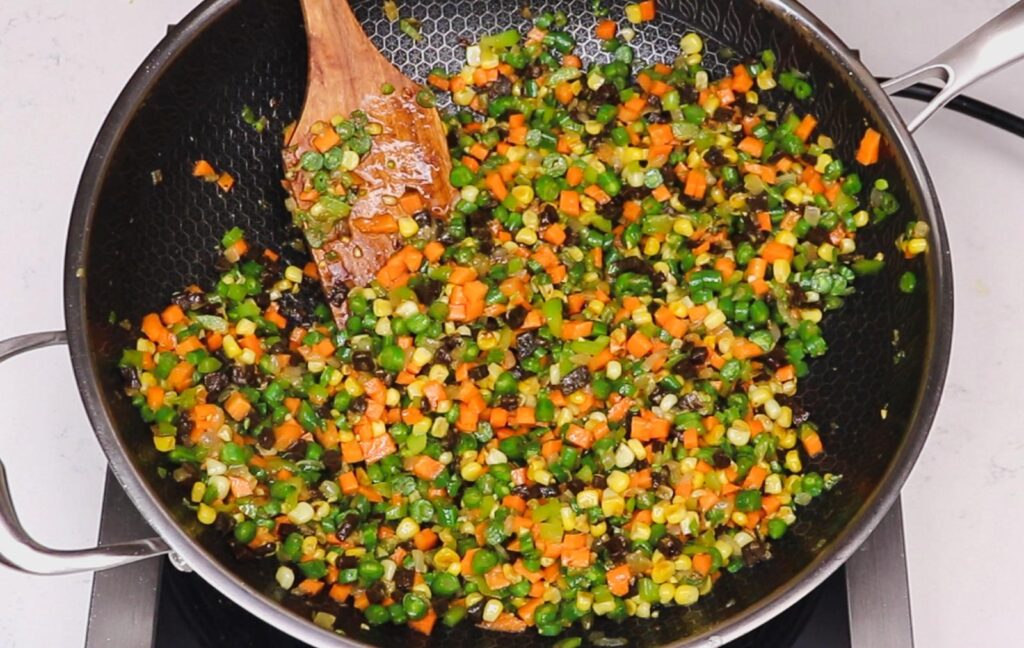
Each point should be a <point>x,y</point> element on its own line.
<point>461,176</point>
<point>414,606</point>
<point>392,358</point>
<point>545,614</point>
<point>445,584</point>
<point>232,454</point>
<point>376,614</point>
<point>506,383</point>
<point>777,528</point>
<point>908,282</point>
<point>748,501</point>
<point>370,571</point>
<point>312,161</point>
<point>484,560</point>
<point>245,531</point>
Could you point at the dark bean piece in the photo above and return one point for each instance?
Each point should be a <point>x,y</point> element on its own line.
<point>267,439</point>
<point>756,552</point>
<point>479,372</point>
<point>721,460</point>
<point>404,579</point>
<point>670,546</point>
<point>575,379</point>
<point>331,459</point>
<point>515,317</point>
<point>347,526</point>
<point>215,383</point>
<point>131,377</point>
<point>363,361</point>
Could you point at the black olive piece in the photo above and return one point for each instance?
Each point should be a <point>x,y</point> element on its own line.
<point>244,553</point>
<point>547,491</point>
<point>337,295</point>
<point>130,377</point>
<point>758,202</point>
<point>476,611</point>
<point>184,428</point>
<point>526,343</point>
<point>606,94</point>
<point>347,562</point>
<point>479,372</point>
<point>491,323</point>
<point>616,548</point>
<point>215,383</point>
<point>756,552</point>
<point>224,523</point>
<point>286,529</point>
<point>548,215</point>
<point>714,156</point>
<point>347,526</point>
<point>575,485</point>
<point>404,579</point>
<point>188,300</point>
<point>688,94</point>
<point>721,460</point>
<point>377,592</point>
<point>331,459</point>
<point>427,290</point>
<point>817,235</point>
<point>722,114</point>
<point>499,88</point>
<point>535,71</point>
<point>242,375</point>
<point>440,604</point>
<point>266,439</point>
<point>575,379</point>
<point>363,361</point>
<point>297,452</point>
<point>699,355</point>
<point>509,401</point>
<point>670,546</point>
<point>599,481</point>
<point>357,405</point>
<point>515,317</point>
<point>690,402</point>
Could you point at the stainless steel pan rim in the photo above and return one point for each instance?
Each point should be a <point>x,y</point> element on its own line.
<point>875,506</point>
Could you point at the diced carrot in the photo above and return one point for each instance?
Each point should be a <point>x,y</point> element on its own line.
<point>751,145</point>
<point>433,251</point>
<point>812,444</point>
<point>569,202</point>
<point>647,10</point>
<point>340,593</point>
<point>426,624</point>
<point>806,127</point>
<point>411,202</point>
<point>348,482</point>
<point>203,169</point>
<point>496,186</point>
<point>867,152</point>
<point>311,587</point>
<point>755,477</point>
<point>237,406</point>
<point>742,350</point>
<point>154,397</point>
<point>702,563</point>
<point>326,140</point>
<point>425,540</point>
<point>774,251</point>
<point>618,580</point>
<point>427,467</point>
<point>696,184</point>
<point>639,345</point>
<point>461,275</point>
<point>574,176</point>
<point>741,80</point>
<point>506,622</point>
<point>286,434</point>
<point>606,29</point>
<point>554,234</point>
<point>378,448</point>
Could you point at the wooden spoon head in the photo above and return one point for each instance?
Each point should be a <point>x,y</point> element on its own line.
<point>409,156</point>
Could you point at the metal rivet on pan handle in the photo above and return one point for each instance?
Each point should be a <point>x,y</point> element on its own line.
<point>991,47</point>
<point>17,549</point>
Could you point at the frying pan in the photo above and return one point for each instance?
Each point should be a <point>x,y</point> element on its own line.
<point>132,242</point>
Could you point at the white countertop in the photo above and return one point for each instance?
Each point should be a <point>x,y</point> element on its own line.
<point>60,73</point>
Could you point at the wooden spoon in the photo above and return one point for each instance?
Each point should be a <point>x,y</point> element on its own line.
<point>347,73</point>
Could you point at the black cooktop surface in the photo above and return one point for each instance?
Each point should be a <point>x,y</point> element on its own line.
<point>191,614</point>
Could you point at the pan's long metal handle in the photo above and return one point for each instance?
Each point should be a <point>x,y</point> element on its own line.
<point>991,47</point>
<point>18,549</point>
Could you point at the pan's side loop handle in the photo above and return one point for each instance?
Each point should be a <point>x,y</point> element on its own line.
<point>18,549</point>
<point>991,47</point>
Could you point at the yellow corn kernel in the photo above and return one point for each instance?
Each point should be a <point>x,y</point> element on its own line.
<point>163,443</point>
<point>206,514</point>
<point>686,594</point>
